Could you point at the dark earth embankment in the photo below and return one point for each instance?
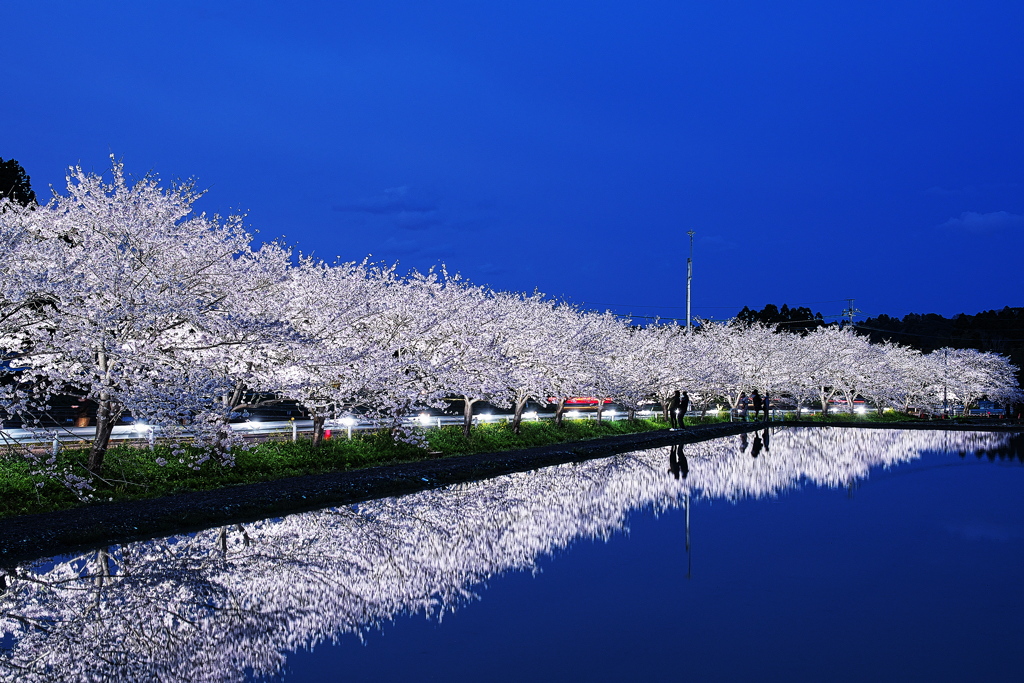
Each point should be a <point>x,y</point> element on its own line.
<point>34,536</point>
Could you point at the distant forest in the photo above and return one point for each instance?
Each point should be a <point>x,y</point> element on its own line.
<point>996,331</point>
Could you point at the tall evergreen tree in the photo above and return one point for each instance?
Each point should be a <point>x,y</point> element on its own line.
<point>786,319</point>
<point>14,183</point>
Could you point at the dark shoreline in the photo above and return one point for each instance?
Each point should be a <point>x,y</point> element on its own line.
<point>36,536</point>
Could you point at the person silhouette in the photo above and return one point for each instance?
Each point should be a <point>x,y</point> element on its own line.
<point>756,450</point>
<point>684,406</point>
<point>766,407</point>
<point>673,411</point>
<point>684,466</point>
<point>764,437</point>
<point>673,461</point>
<point>756,398</point>
<point>743,405</point>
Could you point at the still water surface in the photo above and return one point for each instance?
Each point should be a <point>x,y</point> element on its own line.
<point>834,554</point>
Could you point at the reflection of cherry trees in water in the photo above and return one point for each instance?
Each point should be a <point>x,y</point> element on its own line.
<point>826,457</point>
<point>224,602</point>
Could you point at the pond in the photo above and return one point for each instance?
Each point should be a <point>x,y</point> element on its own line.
<point>800,554</point>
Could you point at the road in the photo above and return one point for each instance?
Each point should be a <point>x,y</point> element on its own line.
<point>254,428</point>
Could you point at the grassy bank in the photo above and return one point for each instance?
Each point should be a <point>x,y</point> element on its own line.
<point>132,473</point>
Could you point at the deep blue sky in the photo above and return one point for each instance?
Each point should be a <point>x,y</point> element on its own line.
<point>820,151</point>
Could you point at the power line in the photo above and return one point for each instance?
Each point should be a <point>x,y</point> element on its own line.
<point>724,320</point>
<point>932,336</point>
<point>805,303</point>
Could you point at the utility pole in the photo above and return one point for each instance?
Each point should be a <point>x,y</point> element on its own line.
<point>945,384</point>
<point>689,280</point>
<point>850,311</point>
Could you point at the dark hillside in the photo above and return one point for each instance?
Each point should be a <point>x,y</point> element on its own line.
<point>997,331</point>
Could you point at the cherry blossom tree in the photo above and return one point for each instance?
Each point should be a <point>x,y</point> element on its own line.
<point>146,284</point>
<point>339,358</point>
<point>527,347</point>
<point>971,375</point>
<point>833,362</point>
<point>578,350</point>
<point>748,357</point>
<point>474,365</point>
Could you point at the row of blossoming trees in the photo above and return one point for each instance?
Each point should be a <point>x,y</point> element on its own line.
<point>120,293</point>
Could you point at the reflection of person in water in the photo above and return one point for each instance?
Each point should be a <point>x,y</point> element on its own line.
<point>764,436</point>
<point>756,450</point>
<point>756,399</point>
<point>677,461</point>
<point>743,442</point>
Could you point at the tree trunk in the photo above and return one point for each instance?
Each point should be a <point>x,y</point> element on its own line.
<point>559,412</point>
<point>467,414</point>
<point>318,430</point>
<point>102,575</point>
<point>733,405</point>
<point>517,416</point>
<point>630,414</point>
<point>107,413</point>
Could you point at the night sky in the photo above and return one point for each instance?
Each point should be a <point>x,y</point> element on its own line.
<point>819,150</point>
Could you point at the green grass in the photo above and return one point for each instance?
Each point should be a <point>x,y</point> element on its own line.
<point>132,473</point>
<point>487,438</point>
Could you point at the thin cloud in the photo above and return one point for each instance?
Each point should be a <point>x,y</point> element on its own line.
<point>986,532</point>
<point>394,200</point>
<point>970,190</point>
<point>996,221</point>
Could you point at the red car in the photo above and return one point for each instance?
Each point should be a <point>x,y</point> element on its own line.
<point>580,401</point>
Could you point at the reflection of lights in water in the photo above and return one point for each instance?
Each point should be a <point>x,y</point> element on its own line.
<point>210,605</point>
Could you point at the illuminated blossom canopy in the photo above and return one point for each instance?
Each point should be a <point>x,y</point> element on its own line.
<point>121,294</point>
